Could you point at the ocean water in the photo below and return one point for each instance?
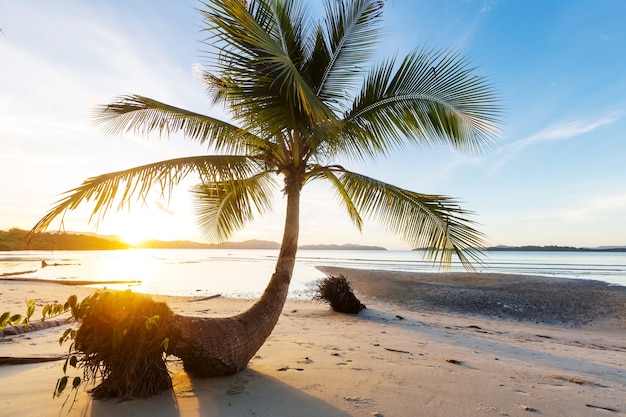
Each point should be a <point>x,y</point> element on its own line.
<point>244,273</point>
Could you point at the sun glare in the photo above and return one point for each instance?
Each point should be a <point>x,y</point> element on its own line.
<point>145,224</point>
<point>132,229</point>
<point>133,237</point>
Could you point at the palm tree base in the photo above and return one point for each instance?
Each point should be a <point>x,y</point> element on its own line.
<point>207,347</point>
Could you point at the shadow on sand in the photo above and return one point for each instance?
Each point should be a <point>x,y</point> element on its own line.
<point>248,393</point>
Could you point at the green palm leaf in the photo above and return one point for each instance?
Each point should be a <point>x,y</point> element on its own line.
<point>351,33</point>
<point>329,173</point>
<point>258,77</point>
<point>431,222</point>
<point>138,114</point>
<point>431,97</point>
<point>225,207</point>
<point>123,187</point>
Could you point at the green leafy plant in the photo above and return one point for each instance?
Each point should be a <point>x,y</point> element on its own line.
<point>8,319</point>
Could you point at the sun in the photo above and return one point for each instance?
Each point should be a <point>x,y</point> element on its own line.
<point>133,237</point>
<point>144,224</point>
<point>131,229</point>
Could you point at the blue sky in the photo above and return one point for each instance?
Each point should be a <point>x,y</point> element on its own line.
<point>555,177</point>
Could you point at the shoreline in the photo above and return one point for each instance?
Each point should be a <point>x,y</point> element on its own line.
<point>392,359</point>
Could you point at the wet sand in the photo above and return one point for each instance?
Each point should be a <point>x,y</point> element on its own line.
<point>523,298</point>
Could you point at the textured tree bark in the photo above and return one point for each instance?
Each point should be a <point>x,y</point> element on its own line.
<point>212,347</point>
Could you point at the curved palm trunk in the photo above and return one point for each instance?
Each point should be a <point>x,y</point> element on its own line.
<point>222,346</point>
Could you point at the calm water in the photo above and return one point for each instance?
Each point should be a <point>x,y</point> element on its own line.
<point>244,273</point>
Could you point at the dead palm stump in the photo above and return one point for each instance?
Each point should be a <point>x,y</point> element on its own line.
<point>337,292</point>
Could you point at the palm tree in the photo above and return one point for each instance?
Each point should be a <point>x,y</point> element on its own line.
<point>292,86</point>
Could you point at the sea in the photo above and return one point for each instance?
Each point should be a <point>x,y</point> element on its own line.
<point>244,273</point>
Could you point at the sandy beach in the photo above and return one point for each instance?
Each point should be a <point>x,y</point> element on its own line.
<point>449,345</point>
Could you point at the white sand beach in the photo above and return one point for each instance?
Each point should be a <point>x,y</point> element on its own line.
<point>392,359</point>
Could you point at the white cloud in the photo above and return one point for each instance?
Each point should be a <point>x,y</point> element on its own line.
<point>567,130</point>
<point>585,210</point>
<point>561,131</point>
<point>488,5</point>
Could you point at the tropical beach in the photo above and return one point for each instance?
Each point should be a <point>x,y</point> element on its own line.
<point>435,355</point>
<point>308,103</point>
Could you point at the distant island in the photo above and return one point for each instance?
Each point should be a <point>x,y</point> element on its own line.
<point>186,244</point>
<point>347,246</point>
<point>553,248</point>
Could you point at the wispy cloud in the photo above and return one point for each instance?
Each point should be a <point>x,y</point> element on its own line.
<point>566,130</point>
<point>488,5</point>
<point>561,131</point>
<point>586,210</point>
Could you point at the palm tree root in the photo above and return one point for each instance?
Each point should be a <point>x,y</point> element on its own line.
<point>122,336</point>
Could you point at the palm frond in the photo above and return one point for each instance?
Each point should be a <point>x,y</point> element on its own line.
<point>351,33</point>
<point>343,196</point>
<point>291,29</point>
<point>431,222</point>
<point>121,188</point>
<point>138,114</point>
<point>223,208</point>
<point>430,97</point>
<point>256,75</point>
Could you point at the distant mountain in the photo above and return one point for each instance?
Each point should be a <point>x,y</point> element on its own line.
<point>554,248</point>
<point>250,244</point>
<point>610,248</point>
<point>186,244</point>
<point>347,246</point>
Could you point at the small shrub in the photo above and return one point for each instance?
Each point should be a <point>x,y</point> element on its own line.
<point>337,292</point>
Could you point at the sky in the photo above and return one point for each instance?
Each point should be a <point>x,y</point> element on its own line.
<point>555,176</point>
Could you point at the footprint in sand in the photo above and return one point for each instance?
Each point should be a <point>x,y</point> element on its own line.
<point>517,391</point>
<point>237,387</point>
<point>286,368</point>
<point>528,408</point>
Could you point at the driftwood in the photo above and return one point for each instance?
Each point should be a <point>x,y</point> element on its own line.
<point>24,360</point>
<point>74,282</point>
<point>33,326</point>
